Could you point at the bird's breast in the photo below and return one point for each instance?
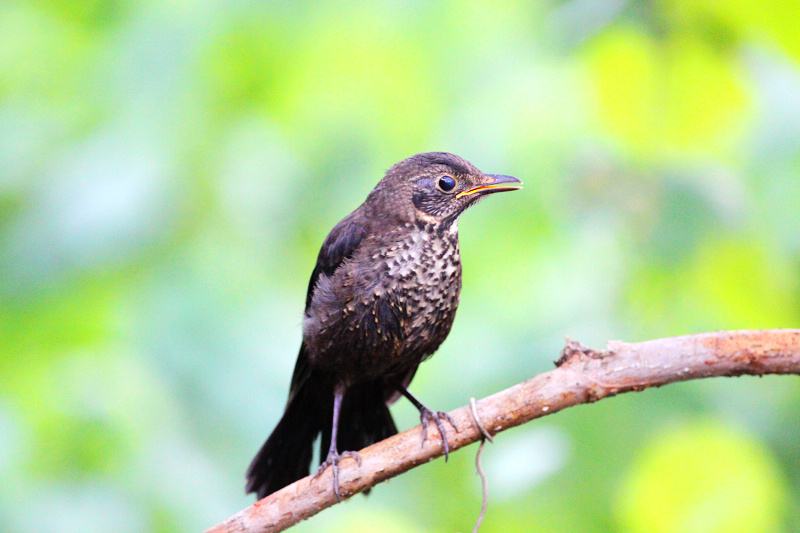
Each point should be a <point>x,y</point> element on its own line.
<point>421,275</point>
<point>392,306</point>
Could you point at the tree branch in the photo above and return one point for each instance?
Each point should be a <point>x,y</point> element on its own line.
<point>583,375</point>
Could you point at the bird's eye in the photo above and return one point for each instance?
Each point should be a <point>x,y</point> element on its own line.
<point>446,183</point>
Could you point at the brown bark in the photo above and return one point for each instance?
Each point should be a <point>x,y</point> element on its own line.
<point>583,375</point>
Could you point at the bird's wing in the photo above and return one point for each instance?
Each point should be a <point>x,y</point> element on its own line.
<point>341,243</point>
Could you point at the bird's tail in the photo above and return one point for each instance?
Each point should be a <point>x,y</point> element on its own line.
<point>286,455</point>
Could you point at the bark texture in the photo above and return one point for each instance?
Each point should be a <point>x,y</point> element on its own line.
<point>582,375</point>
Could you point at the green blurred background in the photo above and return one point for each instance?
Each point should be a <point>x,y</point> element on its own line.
<point>168,171</point>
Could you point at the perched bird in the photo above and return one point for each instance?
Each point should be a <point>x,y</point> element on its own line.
<point>382,298</point>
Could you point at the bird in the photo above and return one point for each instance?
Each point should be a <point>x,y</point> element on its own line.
<point>381,299</point>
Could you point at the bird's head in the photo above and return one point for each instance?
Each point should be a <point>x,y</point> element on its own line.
<point>436,187</point>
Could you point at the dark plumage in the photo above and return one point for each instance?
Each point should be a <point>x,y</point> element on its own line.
<point>381,299</point>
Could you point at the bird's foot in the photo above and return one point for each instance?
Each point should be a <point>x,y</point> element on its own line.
<point>425,416</point>
<point>333,460</point>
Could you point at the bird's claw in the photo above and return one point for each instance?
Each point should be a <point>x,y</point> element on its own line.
<point>355,456</point>
<point>333,460</point>
<point>425,416</point>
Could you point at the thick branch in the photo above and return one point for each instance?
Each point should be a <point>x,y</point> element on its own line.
<point>582,375</point>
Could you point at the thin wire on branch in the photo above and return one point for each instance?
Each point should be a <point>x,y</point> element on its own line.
<point>582,375</point>
<point>485,435</point>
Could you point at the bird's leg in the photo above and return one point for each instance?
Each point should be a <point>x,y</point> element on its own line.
<point>426,415</point>
<point>333,453</point>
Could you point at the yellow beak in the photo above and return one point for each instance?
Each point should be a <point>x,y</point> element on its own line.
<point>495,183</point>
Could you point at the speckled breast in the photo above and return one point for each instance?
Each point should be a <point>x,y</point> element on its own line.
<point>397,303</point>
<point>424,279</point>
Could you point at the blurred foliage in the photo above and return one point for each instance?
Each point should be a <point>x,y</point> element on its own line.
<point>169,169</point>
<point>684,482</point>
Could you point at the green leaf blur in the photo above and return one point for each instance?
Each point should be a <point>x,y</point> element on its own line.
<point>684,481</point>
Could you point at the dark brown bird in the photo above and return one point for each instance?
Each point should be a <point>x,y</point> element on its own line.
<point>381,299</point>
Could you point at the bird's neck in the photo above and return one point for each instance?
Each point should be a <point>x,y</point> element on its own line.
<point>447,229</point>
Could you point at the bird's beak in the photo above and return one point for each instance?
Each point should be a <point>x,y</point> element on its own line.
<point>493,183</point>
